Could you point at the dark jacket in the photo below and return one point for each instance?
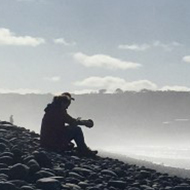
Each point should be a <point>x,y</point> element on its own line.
<point>53,127</point>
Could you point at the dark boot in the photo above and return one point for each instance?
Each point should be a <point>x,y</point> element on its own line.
<point>87,152</point>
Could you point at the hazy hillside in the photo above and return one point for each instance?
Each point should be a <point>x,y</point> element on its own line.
<point>123,118</point>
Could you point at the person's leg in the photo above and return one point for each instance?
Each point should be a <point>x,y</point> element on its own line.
<point>75,133</point>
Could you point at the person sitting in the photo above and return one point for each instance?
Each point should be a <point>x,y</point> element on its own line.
<point>58,128</point>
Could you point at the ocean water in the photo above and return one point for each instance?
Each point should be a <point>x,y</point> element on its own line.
<point>178,157</point>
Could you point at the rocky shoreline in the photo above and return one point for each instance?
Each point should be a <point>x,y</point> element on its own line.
<point>26,166</point>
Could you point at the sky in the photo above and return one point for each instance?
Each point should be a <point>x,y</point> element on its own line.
<point>81,46</point>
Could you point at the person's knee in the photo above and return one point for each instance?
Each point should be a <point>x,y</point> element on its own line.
<point>76,131</point>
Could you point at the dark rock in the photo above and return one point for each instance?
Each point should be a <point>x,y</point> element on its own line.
<point>59,178</point>
<point>117,184</point>
<point>167,188</point>
<point>76,175</point>
<point>3,176</point>
<point>120,172</point>
<point>75,158</point>
<point>144,174</point>
<point>42,159</point>
<point>72,186</point>
<point>83,185</point>
<point>43,174</point>
<point>5,171</point>
<point>3,130</point>
<point>6,160</point>
<point>109,172</point>
<point>27,158</point>
<point>93,188</point>
<point>3,165</point>
<point>7,154</point>
<point>111,188</point>
<point>18,183</point>
<point>69,165</point>
<point>82,171</point>
<point>72,180</point>
<point>13,140</point>
<point>19,171</point>
<point>145,187</point>
<point>16,151</point>
<point>7,186</point>
<point>3,146</point>
<point>181,187</point>
<point>59,171</point>
<point>26,188</point>
<point>65,187</point>
<point>93,176</point>
<point>34,166</point>
<point>48,184</point>
<point>134,188</point>
<point>4,141</point>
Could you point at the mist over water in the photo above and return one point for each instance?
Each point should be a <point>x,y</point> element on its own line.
<point>152,126</point>
<point>178,157</point>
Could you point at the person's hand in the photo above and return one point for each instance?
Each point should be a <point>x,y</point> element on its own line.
<point>89,123</point>
<point>79,118</point>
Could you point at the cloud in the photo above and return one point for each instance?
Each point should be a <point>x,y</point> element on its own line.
<point>186,59</point>
<point>166,47</point>
<point>135,47</point>
<point>175,88</point>
<point>104,61</point>
<point>20,91</point>
<point>64,42</point>
<point>112,83</point>
<point>144,47</point>
<point>53,79</point>
<point>9,38</point>
<point>84,91</point>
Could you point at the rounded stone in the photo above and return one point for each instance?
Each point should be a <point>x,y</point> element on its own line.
<point>108,172</point>
<point>2,147</point>
<point>69,165</point>
<point>3,165</point>
<point>6,160</point>
<point>48,183</point>
<point>34,166</point>
<point>43,174</point>
<point>117,184</point>
<point>42,159</point>
<point>19,171</point>
<point>4,171</point>
<point>181,187</point>
<point>83,171</point>
<point>7,186</point>
<point>26,188</point>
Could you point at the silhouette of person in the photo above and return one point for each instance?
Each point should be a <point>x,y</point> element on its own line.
<point>58,128</point>
<point>11,119</point>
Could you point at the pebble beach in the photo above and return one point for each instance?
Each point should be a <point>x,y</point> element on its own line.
<point>24,165</point>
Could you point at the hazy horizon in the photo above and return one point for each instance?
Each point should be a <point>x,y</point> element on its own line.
<point>146,125</point>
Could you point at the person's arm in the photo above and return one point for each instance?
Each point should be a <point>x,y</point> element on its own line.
<point>72,121</point>
<point>88,123</point>
<point>68,119</point>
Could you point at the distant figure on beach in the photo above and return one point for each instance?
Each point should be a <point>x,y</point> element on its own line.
<point>58,128</point>
<point>11,120</point>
